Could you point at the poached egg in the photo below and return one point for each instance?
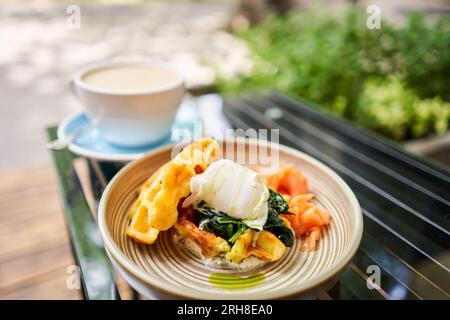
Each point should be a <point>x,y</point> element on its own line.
<point>233,189</point>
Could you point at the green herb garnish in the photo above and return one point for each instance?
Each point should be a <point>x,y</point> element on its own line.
<point>220,223</point>
<point>228,228</point>
<point>274,223</point>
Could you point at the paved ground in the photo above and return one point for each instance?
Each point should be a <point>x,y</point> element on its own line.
<point>38,53</point>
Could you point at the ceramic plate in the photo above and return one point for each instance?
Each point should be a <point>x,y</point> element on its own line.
<point>162,270</point>
<point>90,143</point>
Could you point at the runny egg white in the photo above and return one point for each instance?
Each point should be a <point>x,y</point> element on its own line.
<point>233,189</point>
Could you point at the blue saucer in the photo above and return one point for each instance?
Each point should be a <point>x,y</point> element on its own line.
<point>90,143</point>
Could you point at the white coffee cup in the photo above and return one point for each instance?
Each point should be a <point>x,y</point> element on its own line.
<point>131,103</point>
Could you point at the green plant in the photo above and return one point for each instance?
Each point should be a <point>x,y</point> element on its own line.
<point>425,50</point>
<point>333,60</point>
<point>430,115</point>
<point>388,106</point>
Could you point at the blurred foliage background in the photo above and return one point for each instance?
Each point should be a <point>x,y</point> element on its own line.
<point>394,80</point>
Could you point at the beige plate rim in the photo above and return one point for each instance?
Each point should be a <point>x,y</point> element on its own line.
<point>189,293</point>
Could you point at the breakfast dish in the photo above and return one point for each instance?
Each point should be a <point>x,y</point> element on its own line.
<point>224,212</point>
<point>170,269</point>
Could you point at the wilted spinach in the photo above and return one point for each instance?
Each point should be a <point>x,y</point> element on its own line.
<point>220,223</point>
<point>230,228</point>
<point>274,223</point>
<point>276,202</point>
